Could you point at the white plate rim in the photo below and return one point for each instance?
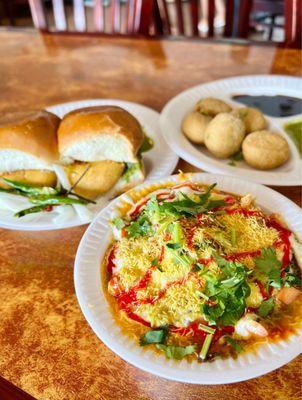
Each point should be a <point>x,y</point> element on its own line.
<point>89,244</point>
<point>166,166</point>
<point>213,165</point>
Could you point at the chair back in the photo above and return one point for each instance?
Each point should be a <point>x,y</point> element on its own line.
<point>192,17</point>
<point>99,16</point>
<point>290,9</point>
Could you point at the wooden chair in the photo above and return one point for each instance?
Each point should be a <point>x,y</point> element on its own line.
<point>137,13</point>
<point>291,9</point>
<point>162,17</point>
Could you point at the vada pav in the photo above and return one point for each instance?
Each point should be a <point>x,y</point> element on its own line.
<point>211,106</point>
<point>194,125</point>
<point>99,147</point>
<point>265,150</point>
<point>28,148</point>
<point>252,117</point>
<point>224,135</point>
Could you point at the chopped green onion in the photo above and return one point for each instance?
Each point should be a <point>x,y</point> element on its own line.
<point>206,328</point>
<point>206,346</point>
<point>177,232</point>
<point>233,237</point>
<point>202,295</point>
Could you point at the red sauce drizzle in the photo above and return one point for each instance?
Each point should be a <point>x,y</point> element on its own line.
<point>138,208</point>
<point>127,298</point>
<point>205,261</point>
<point>243,254</point>
<point>191,236</point>
<point>283,240</point>
<point>262,290</point>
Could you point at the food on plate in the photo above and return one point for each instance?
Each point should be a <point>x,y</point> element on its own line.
<point>194,125</point>
<point>98,177</point>
<point>28,147</point>
<point>93,151</point>
<point>105,141</point>
<point>223,132</point>
<point>42,198</point>
<point>265,150</point>
<point>211,106</point>
<point>224,135</point>
<point>253,118</point>
<point>200,273</point>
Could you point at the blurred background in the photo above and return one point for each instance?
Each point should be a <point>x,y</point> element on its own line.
<point>256,20</point>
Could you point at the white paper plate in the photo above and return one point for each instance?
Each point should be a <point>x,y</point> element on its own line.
<point>289,174</point>
<point>96,309</point>
<point>160,161</point>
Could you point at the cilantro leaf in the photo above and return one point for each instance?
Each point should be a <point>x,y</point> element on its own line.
<point>269,265</point>
<point>140,227</point>
<point>177,352</point>
<point>227,294</point>
<point>266,307</point>
<point>188,206</point>
<point>154,336</point>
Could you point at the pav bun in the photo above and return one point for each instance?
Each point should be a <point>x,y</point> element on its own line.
<point>224,135</point>
<point>99,133</point>
<point>28,147</point>
<point>253,118</point>
<point>100,177</point>
<point>211,106</point>
<point>265,150</point>
<point>194,125</point>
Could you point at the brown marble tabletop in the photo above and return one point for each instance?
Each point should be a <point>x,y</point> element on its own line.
<point>46,347</point>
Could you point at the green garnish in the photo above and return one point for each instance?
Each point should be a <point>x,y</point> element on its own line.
<point>269,266</point>
<point>154,336</point>
<point>119,223</point>
<point>206,328</point>
<point>294,130</point>
<point>130,169</point>
<point>43,197</point>
<point>227,294</point>
<point>234,344</point>
<point>266,307</point>
<point>140,227</point>
<point>187,206</point>
<point>31,190</point>
<point>147,145</point>
<point>177,232</point>
<point>179,258</point>
<point>177,352</point>
<point>206,346</point>
<point>236,157</point>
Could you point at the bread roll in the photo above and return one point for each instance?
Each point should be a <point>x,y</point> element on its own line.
<point>99,133</point>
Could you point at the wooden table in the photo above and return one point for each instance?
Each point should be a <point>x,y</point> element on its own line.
<point>46,346</point>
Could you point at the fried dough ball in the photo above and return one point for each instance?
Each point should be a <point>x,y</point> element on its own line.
<point>34,177</point>
<point>224,135</point>
<point>194,125</point>
<point>99,178</point>
<point>252,117</point>
<point>211,106</point>
<point>265,150</point>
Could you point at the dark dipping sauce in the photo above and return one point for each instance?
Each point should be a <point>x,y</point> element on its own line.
<point>274,106</point>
